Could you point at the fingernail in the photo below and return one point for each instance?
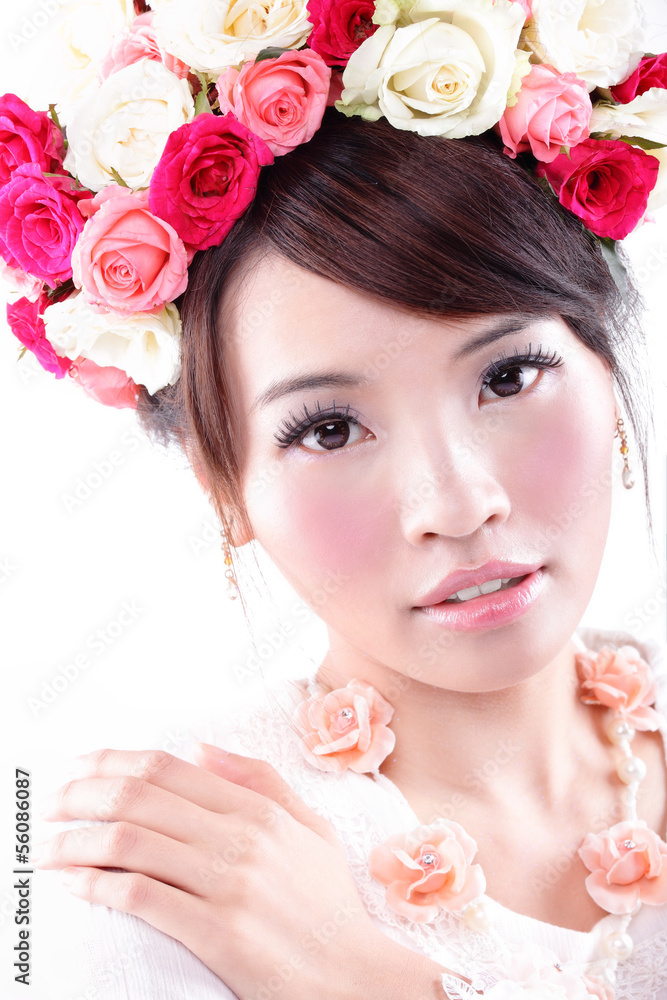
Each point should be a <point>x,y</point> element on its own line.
<point>76,767</point>
<point>209,748</point>
<point>37,852</point>
<point>48,808</point>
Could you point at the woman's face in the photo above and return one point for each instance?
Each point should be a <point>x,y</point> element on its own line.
<point>424,470</point>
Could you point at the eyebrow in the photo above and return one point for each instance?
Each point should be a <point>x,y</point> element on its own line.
<point>320,380</point>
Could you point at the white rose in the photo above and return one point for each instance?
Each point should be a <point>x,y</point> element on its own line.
<point>125,125</point>
<point>658,196</point>
<point>601,41</point>
<point>444,70</point>
<point>644,117</point>
<point>65,58</point>
<point>211,35</point>
<point>145,345</point>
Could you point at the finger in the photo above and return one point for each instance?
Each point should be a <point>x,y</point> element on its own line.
<point>260,776</point>
<point>134,801</point>
<point>123,845</point>
<point>165,907</point>
<point>163,770</point>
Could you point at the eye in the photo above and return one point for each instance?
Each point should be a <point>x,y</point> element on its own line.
<point>505,377</point>
<point>326,430</point>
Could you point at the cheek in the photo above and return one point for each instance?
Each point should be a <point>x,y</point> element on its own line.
<point>566,471</point>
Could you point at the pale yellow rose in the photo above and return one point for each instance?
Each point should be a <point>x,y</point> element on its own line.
<point>144,345</point>
<point>125,124</point>
<point>211,35</point>
<point>445,68</point>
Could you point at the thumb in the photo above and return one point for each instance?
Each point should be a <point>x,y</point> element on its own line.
<point>261,777</point>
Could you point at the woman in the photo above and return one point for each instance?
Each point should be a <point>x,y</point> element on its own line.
<point>426,311</point>
<point>425,415</point>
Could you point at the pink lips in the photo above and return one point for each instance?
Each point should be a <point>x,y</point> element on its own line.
<point>489,610</point>
<point>493,570</point>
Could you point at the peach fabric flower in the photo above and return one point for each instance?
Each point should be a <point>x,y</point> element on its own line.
<point>281,100</point>
<point>126,259</point>
<point>622,680</point>
<point>346,728</point>
<point>552,110</point>
<point>428,870</point>
<point>628,865</point>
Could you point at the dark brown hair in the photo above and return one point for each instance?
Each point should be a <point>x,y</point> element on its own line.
<point>443,227</point>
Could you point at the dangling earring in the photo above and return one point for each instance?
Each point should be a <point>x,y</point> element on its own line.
<point>232,585</point>
<point>628,480</point>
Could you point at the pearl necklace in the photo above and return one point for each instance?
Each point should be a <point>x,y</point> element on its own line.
<point>347,728</point>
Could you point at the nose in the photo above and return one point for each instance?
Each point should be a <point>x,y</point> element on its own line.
<point>450,489</point>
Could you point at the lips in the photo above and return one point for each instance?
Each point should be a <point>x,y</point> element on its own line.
<point>495,569</point>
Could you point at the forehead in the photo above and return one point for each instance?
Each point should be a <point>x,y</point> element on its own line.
<point>280,320</point>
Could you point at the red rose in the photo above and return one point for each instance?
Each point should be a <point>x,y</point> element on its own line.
<point>339,27</point>
<point>651,72</point>
<point>206,178</point>
<point>40,223</point>
<point>27,136</point>
<point>604,182</point>
<point>23,317</point>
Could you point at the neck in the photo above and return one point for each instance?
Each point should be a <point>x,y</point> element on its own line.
<point>452,746</point>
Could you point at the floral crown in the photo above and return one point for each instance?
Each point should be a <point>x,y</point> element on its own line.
<point>154,145</point>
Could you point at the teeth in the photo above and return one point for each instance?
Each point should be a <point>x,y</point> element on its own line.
<point>485,588</point>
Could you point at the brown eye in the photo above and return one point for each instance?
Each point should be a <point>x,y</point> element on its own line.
<point>511,381</point>
<point>332,435</point>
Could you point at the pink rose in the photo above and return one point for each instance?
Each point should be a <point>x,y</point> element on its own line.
<point>281,100</point>
<point>427,870</point>
<point>346,728</point>
<point>621,680</point>
<point>27,136</point>
<point>19,281</point>
<point>552,110</point>
<point>651,72</point>
<point>605,182</point>
<point>110,386</point>
<point>339,27</point>
<point>138,41</point>
<point>126,259</point>
<point>40,223</point>
<point>628,863</point>
<point>25,321</point>
<point>206,178</point>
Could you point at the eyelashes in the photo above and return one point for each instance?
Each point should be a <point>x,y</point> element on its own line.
<point>295,429</point>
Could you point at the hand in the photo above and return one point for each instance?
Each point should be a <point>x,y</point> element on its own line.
<point>232,864</point>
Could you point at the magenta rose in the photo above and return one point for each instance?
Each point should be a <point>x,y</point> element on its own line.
<point>138,41</point>
<point>40,222</point>
<point>339,27</point>
<point>26,323</point>
<point>127,259</point>
<point>206,178</point>
<point>552,110</point>
<point>107,385</point>
<point>27,136</point>
<point>605,182</point>
<point>281,100</point>
<point>651,72</point>
<point>628,865</point>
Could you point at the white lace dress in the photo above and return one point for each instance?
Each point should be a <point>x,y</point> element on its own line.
<point>127,958</point>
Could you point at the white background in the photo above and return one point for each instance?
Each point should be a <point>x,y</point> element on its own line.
<point>144,536</point>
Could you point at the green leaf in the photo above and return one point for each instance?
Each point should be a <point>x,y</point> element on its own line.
<point>202,105</point>
<point>637,140</point>
<point>118,179</point>
<point>615,265</point>
<point>22,351</point>
<point>54,116</point>
<point>270,52</point>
